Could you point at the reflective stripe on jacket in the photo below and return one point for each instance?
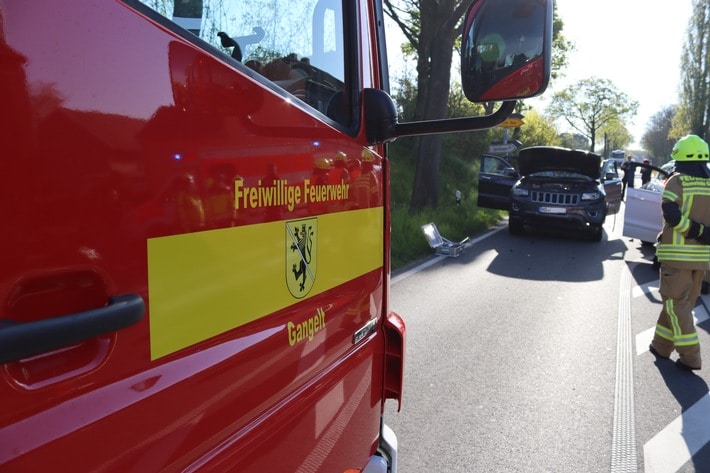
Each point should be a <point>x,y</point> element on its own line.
<point>692,195</point>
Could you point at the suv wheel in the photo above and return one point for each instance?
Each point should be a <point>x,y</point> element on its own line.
<point>597,233</point>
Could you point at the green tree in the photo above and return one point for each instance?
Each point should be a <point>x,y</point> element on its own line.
<point>431,28</point>
<point>656,139</point>
<point>694,113</point>
<point>616,136</point>
<point>590,105</point>
<point>538,130</point>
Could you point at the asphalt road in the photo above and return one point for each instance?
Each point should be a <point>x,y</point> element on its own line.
<point>529,354</point>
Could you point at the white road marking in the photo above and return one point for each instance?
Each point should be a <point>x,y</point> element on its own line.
<point>644,289</point>
<point>675,445</point>
<point>643,339</point>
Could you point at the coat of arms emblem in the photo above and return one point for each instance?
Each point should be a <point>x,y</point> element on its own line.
<point>301,256</point>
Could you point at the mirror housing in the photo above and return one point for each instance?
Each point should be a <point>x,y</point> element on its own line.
<point>524,30</point>
<point>506,49</point>
<point>511,172</point>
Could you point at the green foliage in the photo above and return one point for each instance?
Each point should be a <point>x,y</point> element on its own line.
<point>657,137</point>
<point>538,130</point>
<point>695,74</point>
<point>459,171</point>
<point>680,124</point>
<point>616,135</point>
<point>405,96</point>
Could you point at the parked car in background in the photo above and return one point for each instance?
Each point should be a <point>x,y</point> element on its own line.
<point>552,187</point>
<point>643,218</point>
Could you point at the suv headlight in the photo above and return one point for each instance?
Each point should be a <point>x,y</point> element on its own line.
<point>591,195</point>
<point>521,192</point>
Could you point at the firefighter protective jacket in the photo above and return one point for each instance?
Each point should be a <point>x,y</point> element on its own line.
<point>692,196</point>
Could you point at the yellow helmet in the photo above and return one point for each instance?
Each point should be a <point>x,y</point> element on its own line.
<point>690,148</point>
<point>324,163</point>
<point>367,156</point>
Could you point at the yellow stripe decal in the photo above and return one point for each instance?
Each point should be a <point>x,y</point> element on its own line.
<point>206,283</point>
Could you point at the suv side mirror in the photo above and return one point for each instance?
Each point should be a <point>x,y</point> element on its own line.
<point>506,49</point>
<point>511,172</point>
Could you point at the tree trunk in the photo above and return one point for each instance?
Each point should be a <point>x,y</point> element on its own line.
<point>425,192</point>
<point>433,77</point>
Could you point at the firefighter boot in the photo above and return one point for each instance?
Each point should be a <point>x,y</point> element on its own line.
<point>661,347</point>
<point>657,353</point>
<point>689,357</point>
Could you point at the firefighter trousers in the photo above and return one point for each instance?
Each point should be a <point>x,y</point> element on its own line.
<point>675,329</point>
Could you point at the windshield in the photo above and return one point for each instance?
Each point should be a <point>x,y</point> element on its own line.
<point>299,46</point>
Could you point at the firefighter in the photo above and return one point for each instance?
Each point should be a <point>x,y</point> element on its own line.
<point>684,251</point>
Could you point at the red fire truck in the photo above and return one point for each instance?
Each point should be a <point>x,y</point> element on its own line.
<point>195,226</point>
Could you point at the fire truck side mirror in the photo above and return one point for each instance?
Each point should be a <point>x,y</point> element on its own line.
<point>505,56</point>
<point>506,49</point>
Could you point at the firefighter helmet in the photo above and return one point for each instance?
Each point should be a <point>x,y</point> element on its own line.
<point>324,163</point>
<point>690,148</point>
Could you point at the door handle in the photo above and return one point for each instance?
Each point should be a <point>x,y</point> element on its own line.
<point>21,340</point>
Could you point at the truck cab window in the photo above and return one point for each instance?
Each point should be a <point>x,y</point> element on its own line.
<point>298,46</point>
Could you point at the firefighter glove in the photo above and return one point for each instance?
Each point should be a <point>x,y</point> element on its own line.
<point>695,230</point>
<point>704,238</point>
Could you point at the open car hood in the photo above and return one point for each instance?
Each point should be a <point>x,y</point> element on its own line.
<point>552,158</point>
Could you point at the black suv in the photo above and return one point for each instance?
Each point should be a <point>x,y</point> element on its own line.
<point>552,188</point>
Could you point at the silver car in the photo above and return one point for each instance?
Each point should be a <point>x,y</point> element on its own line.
<point>643,219</point>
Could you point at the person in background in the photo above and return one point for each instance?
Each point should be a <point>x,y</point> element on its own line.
<point>629,169</point>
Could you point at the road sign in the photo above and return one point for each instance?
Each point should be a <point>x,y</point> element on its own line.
<point>512,122</point>
<point>501,148</point>
<point>515,120</point>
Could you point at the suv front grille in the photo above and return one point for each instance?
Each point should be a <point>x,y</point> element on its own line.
<point>554,198</point>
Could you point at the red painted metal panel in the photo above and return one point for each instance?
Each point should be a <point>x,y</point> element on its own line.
<point>120,131</point>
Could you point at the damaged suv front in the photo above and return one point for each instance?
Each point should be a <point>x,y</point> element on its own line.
<point>554,188</point>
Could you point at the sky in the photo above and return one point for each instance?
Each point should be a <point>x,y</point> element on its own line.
<point>636,44</point>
